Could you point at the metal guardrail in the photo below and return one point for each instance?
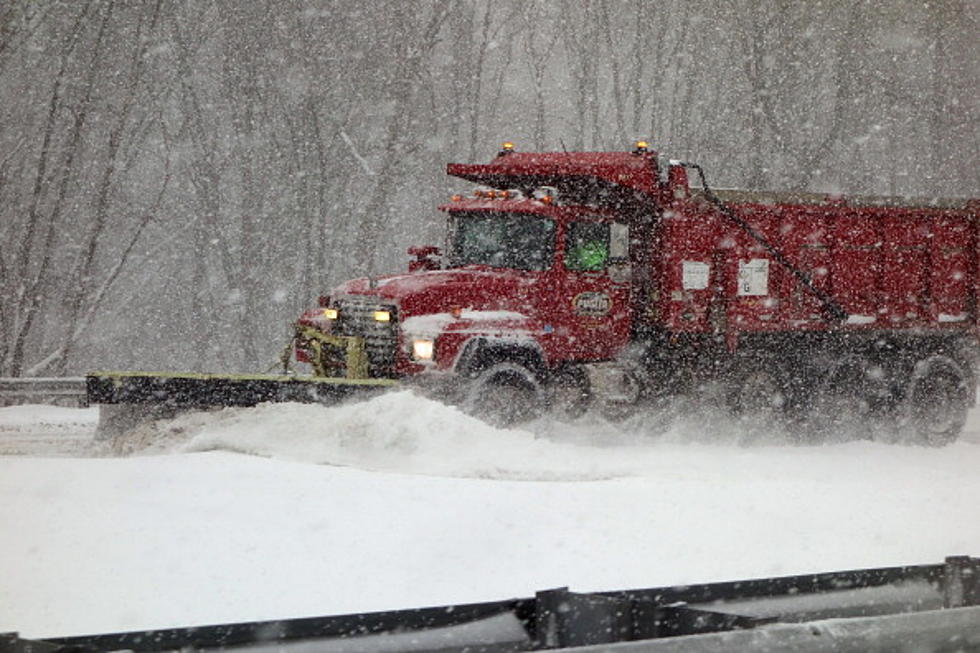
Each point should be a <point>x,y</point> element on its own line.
<point>68,390</point>
<point>915,608</point>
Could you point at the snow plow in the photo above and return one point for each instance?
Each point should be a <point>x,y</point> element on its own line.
<point>933,607</point>
<point>127,399</point>
<point>621,282</point>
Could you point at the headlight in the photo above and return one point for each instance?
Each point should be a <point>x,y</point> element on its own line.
<point>422,350</point>
<point>330,313</point>
<point>382,316</point>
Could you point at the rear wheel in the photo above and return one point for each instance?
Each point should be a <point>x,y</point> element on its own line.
<point>758,399</point>
<point>936,402</point>
<point>504,395</point>
<point>842,405</point>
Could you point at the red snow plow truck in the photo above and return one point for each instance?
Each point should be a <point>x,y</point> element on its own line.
<point>621,281</point>
<point>610,278</point>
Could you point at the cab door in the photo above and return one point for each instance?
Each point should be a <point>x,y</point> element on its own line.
<point>595,302</point>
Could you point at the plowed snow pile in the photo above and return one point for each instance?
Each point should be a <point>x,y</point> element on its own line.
<point>399,432</point>
<point>405,433</point>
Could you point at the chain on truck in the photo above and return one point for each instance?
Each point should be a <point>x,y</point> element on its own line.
<point>621,281</point>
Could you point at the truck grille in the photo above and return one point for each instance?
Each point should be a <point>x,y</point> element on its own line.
<point>356,318</point>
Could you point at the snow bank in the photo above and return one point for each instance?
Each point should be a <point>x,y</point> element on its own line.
<point>413,504</point>
<point>398,432</point>
<point>405,433</point>
<point>40,417</point>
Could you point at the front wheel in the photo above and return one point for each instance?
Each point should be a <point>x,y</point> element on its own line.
<point>504,395</point>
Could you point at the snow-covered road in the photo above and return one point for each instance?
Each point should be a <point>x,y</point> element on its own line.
<point>292,510</point>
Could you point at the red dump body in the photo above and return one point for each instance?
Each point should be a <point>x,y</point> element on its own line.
<point>887,265</point>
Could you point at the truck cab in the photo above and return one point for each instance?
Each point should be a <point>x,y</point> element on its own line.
<point>534,281</point>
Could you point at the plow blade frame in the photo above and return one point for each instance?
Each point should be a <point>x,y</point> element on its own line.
<point>127,400</point>
<point>206,390</point>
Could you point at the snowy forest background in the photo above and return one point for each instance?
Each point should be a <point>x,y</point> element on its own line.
<point>179,179</point>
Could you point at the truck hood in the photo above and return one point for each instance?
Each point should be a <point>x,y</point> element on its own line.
<point>436,291</point>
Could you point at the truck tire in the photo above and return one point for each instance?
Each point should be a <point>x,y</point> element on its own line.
<point>840,407</point>
<point>757,398</point>
<point>936,402</point>
<point>568,394</point>
<point>504,395</point>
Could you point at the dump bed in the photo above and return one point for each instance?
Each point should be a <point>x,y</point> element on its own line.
<point>888,263</point>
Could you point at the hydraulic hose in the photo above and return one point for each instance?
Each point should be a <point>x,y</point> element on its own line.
<point>834,309</point>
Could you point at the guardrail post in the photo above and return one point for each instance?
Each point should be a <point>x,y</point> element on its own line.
<point>568,619</point>
<point>961,582</point>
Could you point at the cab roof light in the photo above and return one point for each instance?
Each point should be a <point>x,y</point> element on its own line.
<point>546,194</point>
<point>506,148</point>
<point>641,147</point>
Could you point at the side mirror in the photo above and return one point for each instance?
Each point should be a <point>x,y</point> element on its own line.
<point>426,258</point>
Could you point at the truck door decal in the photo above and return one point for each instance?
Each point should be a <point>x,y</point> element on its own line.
<point>753,277</point>
<point>694,275</point>
<point>592,304</point>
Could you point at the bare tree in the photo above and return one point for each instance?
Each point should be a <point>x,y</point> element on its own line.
<point>418,34</point>
<point>215,166</point>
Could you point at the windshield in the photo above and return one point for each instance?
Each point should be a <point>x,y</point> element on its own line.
<point>501,240</point>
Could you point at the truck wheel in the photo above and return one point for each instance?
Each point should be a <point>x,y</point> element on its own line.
<point>504,395</point>
<point>936,402</point>
<point>569,395</point>
<point>841,404</point>
<point>758,400</point>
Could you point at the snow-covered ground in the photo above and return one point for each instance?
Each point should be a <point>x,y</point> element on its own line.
<point>294,510</point>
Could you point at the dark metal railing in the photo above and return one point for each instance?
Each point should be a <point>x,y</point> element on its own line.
<point>921,607</point>
<point>63,391</point>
